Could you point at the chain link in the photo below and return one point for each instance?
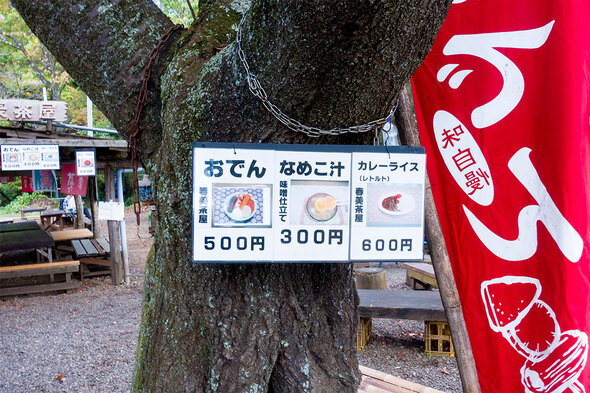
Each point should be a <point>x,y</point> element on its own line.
<point>134,130</point>
<point>258,91</point>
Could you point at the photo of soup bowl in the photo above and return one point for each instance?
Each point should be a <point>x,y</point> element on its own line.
<point>321,206</point>
<point>240,206</point>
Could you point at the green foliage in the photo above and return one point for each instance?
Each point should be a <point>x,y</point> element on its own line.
<point>9,191</point>
<point>178,10</point>
<point>21,201</point>
<point>26,66</point>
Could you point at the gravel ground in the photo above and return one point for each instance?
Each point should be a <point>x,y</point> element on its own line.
<point>85,341</point>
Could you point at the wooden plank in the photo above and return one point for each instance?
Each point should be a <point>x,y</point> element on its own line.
<point>90,249</point>
<point>52,213</point>
<point>415,305</point>
<point>77,142</point>
<point>73,234</point>
<point>38,265</point>
<point>79,250</point>
<point>96,245</point>
<point>39,269</point>
<point>61,286</point>
<point>96,261</point>
<point>19,226</point>
<point>420,267</point>
<point>395,381</point>
<point>32,209</point>
<point>104,243</point>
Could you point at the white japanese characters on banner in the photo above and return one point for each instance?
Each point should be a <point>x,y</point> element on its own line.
<point>26,157</point>
<point>263,203</point>
<point>85,163</point>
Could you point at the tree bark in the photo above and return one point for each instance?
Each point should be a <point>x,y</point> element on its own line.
<point>240,328</point>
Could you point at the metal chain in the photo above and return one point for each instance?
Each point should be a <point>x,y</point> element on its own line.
<point>258,91</point>
<point>134,130</point>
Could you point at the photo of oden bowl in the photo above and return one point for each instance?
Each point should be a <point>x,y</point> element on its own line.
<point>240,206</point>
<point>396,203</point>
<point>321,206</point>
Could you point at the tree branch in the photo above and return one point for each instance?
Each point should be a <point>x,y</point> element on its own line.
<point>104,46</point>
<point>21,48</point>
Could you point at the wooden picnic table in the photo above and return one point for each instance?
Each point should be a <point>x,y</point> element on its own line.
<point>52,220</point>
<point>24,211</point>
<point>19,226</point>
<point>26,236</point>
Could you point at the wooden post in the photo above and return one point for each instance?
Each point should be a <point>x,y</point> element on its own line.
<point>91,194</point>
<point>440,258</point>
<point>79,220</point>
<point>113,226</point>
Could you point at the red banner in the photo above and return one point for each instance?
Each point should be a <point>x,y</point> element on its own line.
<point>27,183</point>
<point>71,183</point>
<point>502,102</point>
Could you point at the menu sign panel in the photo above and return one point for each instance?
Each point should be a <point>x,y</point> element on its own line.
<point>313,195</point>
<point>27,157</point>
<point>85,163</point>
<point>284,203</point>
<point>388,206</point>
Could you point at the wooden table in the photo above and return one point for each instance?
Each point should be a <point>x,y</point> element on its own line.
<point>26,236</point>
<point>73,234</point>
<point>52,220</point>
<point>19,226</point>
<point>24,211</point>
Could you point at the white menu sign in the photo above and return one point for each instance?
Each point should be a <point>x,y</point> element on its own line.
<point>27,157</point>
<point>388,207</point>
<point>320,203</point>
<point>85,163</point>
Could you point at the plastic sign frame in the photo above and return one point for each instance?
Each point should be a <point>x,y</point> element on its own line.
<point>268,203</point>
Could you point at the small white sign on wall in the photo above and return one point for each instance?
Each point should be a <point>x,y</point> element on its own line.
<point>85,163</point>
<point>114,211</point>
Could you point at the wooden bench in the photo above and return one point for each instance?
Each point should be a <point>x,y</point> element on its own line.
<point>39,269</point>
<point>373,381</point>
<point>415,305</point>
<point>94,256</point>
<point>420,275</point>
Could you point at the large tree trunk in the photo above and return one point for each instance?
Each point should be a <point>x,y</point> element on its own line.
<point>240,328</point>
